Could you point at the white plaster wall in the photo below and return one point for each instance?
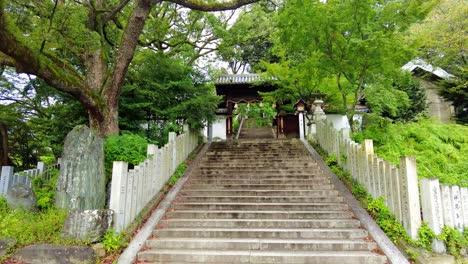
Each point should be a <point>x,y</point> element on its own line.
<point>219,129</point>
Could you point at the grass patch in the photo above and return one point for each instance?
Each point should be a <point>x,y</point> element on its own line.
<point>440,149</point>
<point>455,240</point>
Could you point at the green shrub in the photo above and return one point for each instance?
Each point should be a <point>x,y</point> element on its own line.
<point>113,241</point>
<point>179,172</point>
<point>386,220</point>
<point>127,147</point>
<point>425,237</point>
<point>28,228</point>
<point>3,206</point>
<point>440,150</point>
<point>454,240</point>
<point>45,189</point>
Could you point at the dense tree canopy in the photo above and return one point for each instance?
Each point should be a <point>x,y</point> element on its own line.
<point>354,43</point>
<point>84,48</point>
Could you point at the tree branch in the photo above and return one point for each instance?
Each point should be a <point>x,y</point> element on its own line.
<point>212,6</point>
<point>29,61</point>
<point>6,60</point>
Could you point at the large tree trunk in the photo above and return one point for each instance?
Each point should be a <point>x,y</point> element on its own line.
<point>5,147</point>
<point>106,122</point>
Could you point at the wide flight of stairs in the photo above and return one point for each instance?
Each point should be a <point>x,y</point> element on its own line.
<point>259,201</point>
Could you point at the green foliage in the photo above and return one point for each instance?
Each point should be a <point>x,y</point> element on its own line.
<point>3,206</point>
<point>261,113</point>
<point>456,90</point>
<point>386,220</point>
<point>34,116</point>
<point>319,42</point>
<point>179,172</point>
<point>454,240</point>
<point>44,189</point>
<point>28,228</point>
<point>425,237</point>
<point>113,241</point>
<point>440,150</point>
<point>250,40</point>
<point>126,147</point>
<point>161,91</point>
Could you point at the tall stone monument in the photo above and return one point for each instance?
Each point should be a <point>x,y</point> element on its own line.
<point>81,182</point>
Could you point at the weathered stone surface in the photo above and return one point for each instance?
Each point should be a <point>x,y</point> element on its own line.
<point>21,196</point>
<point>5,245</point>
<point>81,183</point>
<point>55,254</point>
<point>87,225</point>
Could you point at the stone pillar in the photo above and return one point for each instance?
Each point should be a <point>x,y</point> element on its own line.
<point>368,149</point>
<point>210,132</point>
<point>456,208</point>
<point>319,114</point>
<point>431,203</point>
<point>152,152</point>
<point>301,125</point>
<point>447,205</point>
<point>6,179</point>
<point>411,208</point>
<point>41,167</point>
<point>172,141</point>
<point>396,193</point>
<point>464,199</point>
<point>118,195</point>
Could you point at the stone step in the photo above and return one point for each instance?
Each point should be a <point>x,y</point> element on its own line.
<point>254,214</point>
<point>260,186</point>
<point>256,165</point>
<point>243,156</point>
<point>257,192</point>
<point>259,206</point>
<point>262,223</point>
<point>284,233</point>
<point>228,180</point>
<point>261,244</point>
<point>257,256</point>
<point>260,199</point>
<point>295,178</point>
<point>248,172</point>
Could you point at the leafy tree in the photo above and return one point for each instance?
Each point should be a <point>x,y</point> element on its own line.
<point>250,40</point>
<point>350,41</point>
<point>82,48</point>
<point>161,92</point>
<point>33,116</point>
<point>442,40</point>
<point>442,36</point>
<point>397,96</point>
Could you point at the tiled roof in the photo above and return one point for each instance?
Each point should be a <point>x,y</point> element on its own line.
<point>242,78</point>
<point>419,63</point>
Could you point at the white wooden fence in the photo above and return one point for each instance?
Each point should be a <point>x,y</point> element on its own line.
<point>133,189</point>
<point>397,185</point>
<point>9,178</point>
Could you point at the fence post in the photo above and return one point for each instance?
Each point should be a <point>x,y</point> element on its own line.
<point>410,196</point>
<point>172,140</point>
<point>396,193</point>
<point>119,194</point>
<point>431,203</point>
<point>6,179</point>
<point>447,205</point>
<point>464,199</point>
<point>456,208</point>
<point>41,167</point>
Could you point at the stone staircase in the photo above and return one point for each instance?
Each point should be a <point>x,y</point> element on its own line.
<point>250,130</point>
<point>259,201</point>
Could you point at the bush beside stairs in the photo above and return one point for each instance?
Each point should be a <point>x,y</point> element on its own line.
<point>259,201</point>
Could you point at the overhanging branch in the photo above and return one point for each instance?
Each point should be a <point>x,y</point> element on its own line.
<point>212,6</point>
